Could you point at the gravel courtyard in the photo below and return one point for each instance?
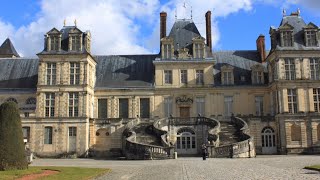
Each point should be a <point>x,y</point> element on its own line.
<point>262,167</point>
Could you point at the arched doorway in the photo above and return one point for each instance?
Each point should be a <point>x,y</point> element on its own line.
<point>268,139</point>
<point>186,141</point>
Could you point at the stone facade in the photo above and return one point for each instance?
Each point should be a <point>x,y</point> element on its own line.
<point>184,80</point>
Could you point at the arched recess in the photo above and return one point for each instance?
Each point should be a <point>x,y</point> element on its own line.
<point>268,141</point>
<point>11,99</point>
<point>186,141</point>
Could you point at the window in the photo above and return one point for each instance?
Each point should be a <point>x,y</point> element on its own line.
<point>72,131</point>
<point>48,135</point>
<point>123,108</point>
<point>200,106</point>
<point>12,100</point>
<point>292,101</point>
<point>26,133</point>
<point>102,108</point>
<point>167,106</point>
<point>51,73</point>
<point>54,43</point>
<point>49,106</point>
<point>144,107</point>
<point>259,105</point>
<point>316,99</point>
<point>32,101</point>
<point>73,104</point>
<point>184,76</point>
<point>26,114</point>
<point>167,48</point>
<point>168,77</point>
<point>199,76</point>
<point>287,38</point>
<point>74,73</point>
<point>227,78</point>
<point>314,69</point>
<point>198,50</point>
<point>295,133</point>
<point>289,69</point>
<point>75,43</point>
<point>257,77</point>
<point>228,101</point>
<point>311,38</point>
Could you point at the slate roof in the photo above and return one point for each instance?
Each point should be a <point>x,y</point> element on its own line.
<point>298,24</point>
<point>18,73</point>
<point>182,32</point>
<point>7,48</point>
<point>125,71</point>
<point>242,61</point>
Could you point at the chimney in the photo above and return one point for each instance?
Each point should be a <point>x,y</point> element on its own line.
<point>261,47</point>
<point>163,25</point>
<point>208,30</point>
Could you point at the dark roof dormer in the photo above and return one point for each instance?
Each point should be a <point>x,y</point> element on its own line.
<point>69,40</point>
<point>7,50</point>
<point>303,36</point>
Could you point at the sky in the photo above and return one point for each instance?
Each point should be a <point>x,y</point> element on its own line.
<point>132,26</point>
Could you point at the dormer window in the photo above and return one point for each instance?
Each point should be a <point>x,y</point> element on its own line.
<point>257,76</point>
<point>75,43</point>
<point>227,75</point>
<point>311,38</point>
<point>287,38</point>
<point>167,48</point>
<point>198,48</point>
<point>54,43</point>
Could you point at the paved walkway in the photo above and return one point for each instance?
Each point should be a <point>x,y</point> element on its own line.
<point>262,167</point>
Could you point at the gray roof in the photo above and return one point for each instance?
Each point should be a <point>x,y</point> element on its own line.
<point>182,32</point>
<point>298,32</point>
<point>7,48</point>
<point>125,71</point>
<point>242,61</point>
<point>18,73</point>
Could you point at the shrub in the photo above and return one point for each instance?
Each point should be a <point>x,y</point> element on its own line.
<point>12,150</point>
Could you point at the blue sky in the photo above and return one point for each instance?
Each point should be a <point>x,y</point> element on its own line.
<point>132,26</point>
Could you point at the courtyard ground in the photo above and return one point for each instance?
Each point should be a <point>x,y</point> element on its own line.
<point>262,167</point>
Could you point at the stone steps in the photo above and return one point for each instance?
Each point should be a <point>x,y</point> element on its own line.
<point>228,134</point>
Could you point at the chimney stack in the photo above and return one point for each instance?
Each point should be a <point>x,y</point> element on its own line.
<point>261,47</point>
<point>163,25</point>
<point>208,30</point>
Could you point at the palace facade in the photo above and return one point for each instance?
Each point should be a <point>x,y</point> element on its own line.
<point>72,101</point>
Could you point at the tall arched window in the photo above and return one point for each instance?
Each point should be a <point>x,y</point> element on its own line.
<point>295,132</point>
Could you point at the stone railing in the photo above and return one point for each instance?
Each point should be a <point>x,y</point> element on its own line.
<point>158,130</point>
<point>244,148</point>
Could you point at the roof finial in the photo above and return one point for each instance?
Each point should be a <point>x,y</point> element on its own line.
<point>191,12</point>
<point>176,13</point>
<point>64,22</point>
<point>299,11</point>
<point>284,12</point>
<point>75,22</point>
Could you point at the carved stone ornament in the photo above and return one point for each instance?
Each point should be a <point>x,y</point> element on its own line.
<point>184,53</point>
<point>184,100</point>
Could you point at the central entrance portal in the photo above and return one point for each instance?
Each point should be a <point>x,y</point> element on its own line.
<point>186,141</point>
<point>184,112</point>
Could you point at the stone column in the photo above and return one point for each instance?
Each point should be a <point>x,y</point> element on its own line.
<point>301,100</point>
<point>285,107</point>
<point>311,101</point>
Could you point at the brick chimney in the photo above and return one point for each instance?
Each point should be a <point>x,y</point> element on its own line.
<point>261,47</point>
<point>208,30</point>
<point>163,25</point>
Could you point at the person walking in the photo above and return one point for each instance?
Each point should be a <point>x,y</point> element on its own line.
<point>204,152</point>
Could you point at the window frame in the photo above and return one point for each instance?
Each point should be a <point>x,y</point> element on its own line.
<point>314,68</point>
<point>287,38</point>
<point>227,77</point>
<point>200,105</point>
<point>258,105</point>
<point>184,76</point>
<point>311,38</point>
<point>49,104</point>
<point>74,73</point>
<point>168,106</point>
<point>292,101</point>
<point>167,76</point>
<point>48,135</point>
<point>51,73</point>
<point>316,99</point>
<point>290,69</point>
<point>199,76</point>
<point>54,43</point>
<point>73,104</point>
<point>75,43</point>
